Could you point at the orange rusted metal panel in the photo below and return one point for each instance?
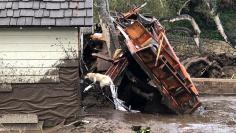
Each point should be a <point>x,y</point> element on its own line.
<point>117,69</point>
<point>168,74</point>
<point>138,35</point>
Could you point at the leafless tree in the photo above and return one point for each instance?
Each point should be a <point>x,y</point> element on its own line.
<point>104,14</point>
<point>211,11</point>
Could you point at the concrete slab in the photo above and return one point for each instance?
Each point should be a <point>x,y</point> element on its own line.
<point>18,119</point>
<point>21,128</point>
<point>210,86</point>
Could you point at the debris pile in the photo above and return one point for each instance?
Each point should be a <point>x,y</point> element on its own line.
<point>211,66</point>
<point>145,69</point>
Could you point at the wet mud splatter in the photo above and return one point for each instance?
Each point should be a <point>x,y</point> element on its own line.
<point>218,114</point>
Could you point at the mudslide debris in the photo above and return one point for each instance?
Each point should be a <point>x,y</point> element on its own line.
<point>147,56</point>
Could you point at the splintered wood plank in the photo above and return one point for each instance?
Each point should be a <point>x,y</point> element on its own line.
<point>30,79</point>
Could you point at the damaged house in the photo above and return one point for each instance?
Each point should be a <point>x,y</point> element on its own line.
<point>39,71</point>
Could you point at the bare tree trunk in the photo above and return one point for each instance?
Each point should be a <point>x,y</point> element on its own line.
<point>186,17</point>
<point>103,10</point>
<point>218,23</point>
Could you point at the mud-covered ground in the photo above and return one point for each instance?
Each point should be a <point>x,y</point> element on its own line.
<point>218,114</point>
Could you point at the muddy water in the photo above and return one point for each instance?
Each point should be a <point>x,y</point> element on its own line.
<point>218,114</point>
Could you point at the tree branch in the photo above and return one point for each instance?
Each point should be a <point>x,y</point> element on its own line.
<point>218,23</point>
<point>180,10</point>
<point>103,9</point>
<point>186,17</point>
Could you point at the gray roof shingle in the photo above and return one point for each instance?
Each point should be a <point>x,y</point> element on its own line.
<point>13,21</point>
<point>81,5</point>
<point>36,5</point>
<point>77,20</point>
<point>9,12</point>
<point>46,12</point>
<point>61,21</point>
<point>38,13</point>
<point>64,5</point>
<point>9,5</point>
<point>36,21</point>
<point>3,13</point>
<point>15,5</point>
<point>57,13</point>
<point>25,4</point>
<point>89,12</point>
<point>5,21</point>
<point>53,5</point>
<point>73,4</point>
<point>3,5</point>
<point>21,21</point>
<point>42,5</point>
<point>79,13</point>
<point>27,13</point>
<point>88,3</point>
<point>48,21</point>
<point>16,13</point>
<point>28,21</point>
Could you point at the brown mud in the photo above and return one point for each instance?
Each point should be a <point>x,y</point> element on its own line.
<point>211,66</point>
<point>216,115</point>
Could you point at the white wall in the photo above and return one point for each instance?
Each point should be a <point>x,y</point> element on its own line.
<point>29,55</point>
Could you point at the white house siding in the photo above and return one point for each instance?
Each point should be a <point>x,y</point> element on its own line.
<point>31,55</point>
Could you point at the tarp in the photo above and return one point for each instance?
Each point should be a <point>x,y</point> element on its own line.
<point>53,103</point>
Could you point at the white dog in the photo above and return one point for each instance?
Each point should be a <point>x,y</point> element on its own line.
<point>105,80</point>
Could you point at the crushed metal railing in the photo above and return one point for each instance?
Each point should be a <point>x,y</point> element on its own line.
<point>146,41</point>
